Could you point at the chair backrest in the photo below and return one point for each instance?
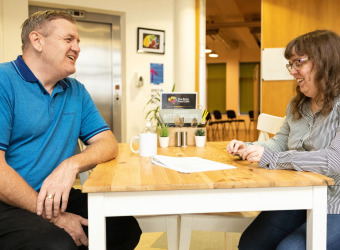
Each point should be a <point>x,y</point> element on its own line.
<point>217,115</point>
<point>268,124</point>
<point>207,118</point>
<point>231,114</point>
<point>251,114</point>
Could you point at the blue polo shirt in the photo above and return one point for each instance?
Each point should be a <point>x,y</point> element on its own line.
<point>37,130</point>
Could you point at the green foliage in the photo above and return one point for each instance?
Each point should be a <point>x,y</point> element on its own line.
<point>163,130</point>
<point>152,114</point>
<point>173,87</point>
<point>200,132</point>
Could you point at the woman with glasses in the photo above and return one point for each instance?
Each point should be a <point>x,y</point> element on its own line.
<point>309,140</point>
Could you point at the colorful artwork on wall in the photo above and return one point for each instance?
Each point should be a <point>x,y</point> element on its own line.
<point>156,73</point>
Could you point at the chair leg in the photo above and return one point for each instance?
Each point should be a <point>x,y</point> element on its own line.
<point>185,233</point>
<point>218,131</point>
<point>228,132</point>
<point>172,229</point>
<point>234,135</point>
<point>245,128</point>
<point>223,131</point>
<point>213,132</point>
<point>249,131</point>
<point>236,128</point>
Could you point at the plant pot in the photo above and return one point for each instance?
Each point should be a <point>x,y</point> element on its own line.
<point>200,141</point>
<point>164,142</point>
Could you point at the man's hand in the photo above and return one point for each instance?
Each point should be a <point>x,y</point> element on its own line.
<point>56,188</point>
<point>72,224</point>
<point>253,153</point>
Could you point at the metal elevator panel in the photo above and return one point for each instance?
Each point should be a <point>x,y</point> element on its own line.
<point>94,65</point>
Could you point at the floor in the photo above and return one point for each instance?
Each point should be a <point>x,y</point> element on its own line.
<point>199,241</point>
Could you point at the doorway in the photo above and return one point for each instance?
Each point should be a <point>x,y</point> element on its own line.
<point>99,63</point>
<point>216,86</point>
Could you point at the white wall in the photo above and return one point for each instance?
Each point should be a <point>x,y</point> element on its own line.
<point>13,15</point>
<point>185,45</point>
<point>1,34</point>
<point>135,13</point>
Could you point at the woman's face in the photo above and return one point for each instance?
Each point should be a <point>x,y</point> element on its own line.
<point>304,75</point>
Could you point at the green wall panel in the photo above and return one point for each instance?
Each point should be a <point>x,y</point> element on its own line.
<point>216,89</point>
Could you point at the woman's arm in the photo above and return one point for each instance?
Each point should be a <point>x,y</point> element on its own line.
<point>324,161</point>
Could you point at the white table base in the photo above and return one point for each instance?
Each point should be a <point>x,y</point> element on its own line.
<point>312,198</point>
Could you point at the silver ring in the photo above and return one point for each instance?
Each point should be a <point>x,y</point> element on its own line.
<point>50,196</point>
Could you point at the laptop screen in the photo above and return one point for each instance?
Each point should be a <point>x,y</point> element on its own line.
<point>178,100</point>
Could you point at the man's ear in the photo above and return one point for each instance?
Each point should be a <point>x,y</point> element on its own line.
<point>37,40</point>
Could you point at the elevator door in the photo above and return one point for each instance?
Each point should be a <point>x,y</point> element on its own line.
<point>94,65</point>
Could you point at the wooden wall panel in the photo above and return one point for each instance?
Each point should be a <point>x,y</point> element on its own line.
<point>276,95</point>
<point>282,21</point>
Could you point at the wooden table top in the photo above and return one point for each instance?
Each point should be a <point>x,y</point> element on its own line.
<point>130,172</point>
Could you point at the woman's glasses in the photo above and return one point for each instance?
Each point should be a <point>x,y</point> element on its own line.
<point>297,64</point>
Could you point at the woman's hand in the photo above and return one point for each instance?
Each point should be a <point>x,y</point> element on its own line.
<point>236,147</point>
<point>253,153</point>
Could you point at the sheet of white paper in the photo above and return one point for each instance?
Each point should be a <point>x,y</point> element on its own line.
<point>189,164</point>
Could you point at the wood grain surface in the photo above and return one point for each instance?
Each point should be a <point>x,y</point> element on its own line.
<point>130,172</point>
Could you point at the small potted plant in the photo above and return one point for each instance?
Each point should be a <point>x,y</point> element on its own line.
<point>200,137</point>
<point>163,135</point>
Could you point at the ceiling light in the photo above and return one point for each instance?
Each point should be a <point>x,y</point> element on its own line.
<point>208,51</point>
<point>213,54</point>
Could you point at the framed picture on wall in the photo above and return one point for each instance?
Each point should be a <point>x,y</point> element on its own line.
<point>150,41</point>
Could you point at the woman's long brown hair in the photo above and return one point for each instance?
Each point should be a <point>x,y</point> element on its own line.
<point>322,47</point>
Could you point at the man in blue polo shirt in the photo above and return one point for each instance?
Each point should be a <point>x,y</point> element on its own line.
<point>43,113</point>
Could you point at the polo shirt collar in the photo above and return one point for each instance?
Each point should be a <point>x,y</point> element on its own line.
<point>25,72</point>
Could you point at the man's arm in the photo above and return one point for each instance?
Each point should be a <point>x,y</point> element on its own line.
<point>102,147</point>
<point>14,190</point>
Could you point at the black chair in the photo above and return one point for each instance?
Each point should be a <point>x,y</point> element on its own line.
<point>218,120</point>
<point>232,118</point>
<point>251,119</point>
<point>208,119</point>
<point>208,124</point>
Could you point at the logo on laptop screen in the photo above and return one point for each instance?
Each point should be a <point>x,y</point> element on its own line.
<point>172,99</point>
<point>178,100</point>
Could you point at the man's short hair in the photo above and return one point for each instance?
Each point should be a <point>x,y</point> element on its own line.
<point>39,22</point>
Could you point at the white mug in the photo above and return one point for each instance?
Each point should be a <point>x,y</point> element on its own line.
<point>147,144</point>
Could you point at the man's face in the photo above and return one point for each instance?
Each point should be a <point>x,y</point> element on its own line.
<point>61,48</point>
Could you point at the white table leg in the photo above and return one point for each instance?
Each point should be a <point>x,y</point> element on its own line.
<point>317,220</point>
<point>97,225</point>
<point>185,232</point>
